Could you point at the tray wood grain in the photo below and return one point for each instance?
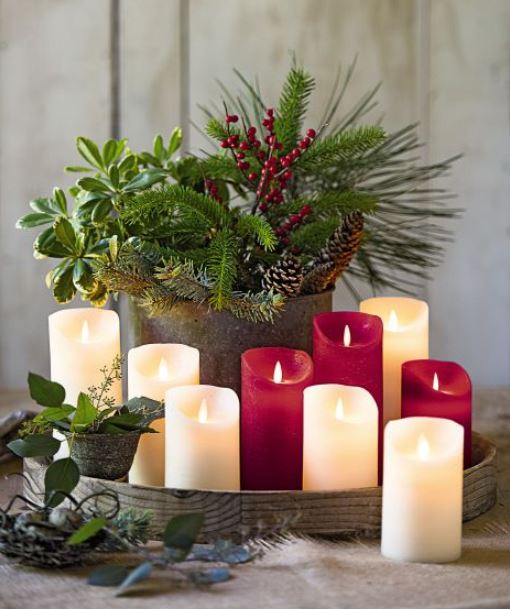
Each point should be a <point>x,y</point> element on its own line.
<point>344,513</point>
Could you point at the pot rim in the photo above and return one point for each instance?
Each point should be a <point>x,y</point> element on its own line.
<point>101,435</point>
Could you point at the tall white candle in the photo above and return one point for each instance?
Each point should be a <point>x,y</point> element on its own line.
<point>422,490</point>
<point>202,438</point>
<point>406,337</point>
<point>82,341</point>
<point>152,370</point>
<point>340,438</point>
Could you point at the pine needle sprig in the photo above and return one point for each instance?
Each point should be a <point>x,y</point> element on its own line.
<point>292,107</point>
<point>184,281</point>
<point>257,307</point>
<point>259,229</point>
<point>221,267</point>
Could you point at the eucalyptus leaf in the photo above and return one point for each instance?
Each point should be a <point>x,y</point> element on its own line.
<point>108,575</point>
<point>64,232</point>
<point>44,391</point>
<point>56,413</point>
<point>87,530</point>
<point>90,152</point>
<point>207,577</point>
<point>175,141</point>
<point>33,220</point>
<point>137,575</point>
<point>145,179</point>
<point>85,415</point>
<point>35,445</point>
<point>61,475</point>
<point>180,534</point>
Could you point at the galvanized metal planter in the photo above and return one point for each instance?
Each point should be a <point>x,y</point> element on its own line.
<point>221,338</point>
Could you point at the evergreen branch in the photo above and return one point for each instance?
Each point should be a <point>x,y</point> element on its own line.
<point>310,238</point>
<point>256,307</point>
<point>217,129</point>
<point>292,107</point>
<point>222,267</point>
<point>181,278</point>
<point>342,150</point>
<point>131,272</point>
<point>259,229</point>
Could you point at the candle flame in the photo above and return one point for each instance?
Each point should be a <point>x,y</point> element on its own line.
<point>423,448</point>
<point>392,321</point>
<point>278,373</point>
<point>347,336</point>
<point>339,411</point>
<point>435,382</point>
<point>163,371</point>
<point>85,332</point>
<point>202,412</point>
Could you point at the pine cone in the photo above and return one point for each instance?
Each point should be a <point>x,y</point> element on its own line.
<point>335,257</point>
<point>285,277</point>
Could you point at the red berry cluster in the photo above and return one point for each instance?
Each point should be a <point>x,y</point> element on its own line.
<point>291,223</point>
<point>212,190</point>
<point>267,165</point>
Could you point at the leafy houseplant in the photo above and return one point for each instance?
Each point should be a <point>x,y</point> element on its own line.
<point>102,437</point>
<point>277,213</point>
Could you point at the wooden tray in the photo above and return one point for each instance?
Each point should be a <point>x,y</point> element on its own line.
<point>333,513</point>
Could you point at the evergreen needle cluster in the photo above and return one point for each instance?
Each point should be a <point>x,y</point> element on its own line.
<point>278,208</point>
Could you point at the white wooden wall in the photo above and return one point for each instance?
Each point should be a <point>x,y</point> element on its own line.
<point>132,67</point>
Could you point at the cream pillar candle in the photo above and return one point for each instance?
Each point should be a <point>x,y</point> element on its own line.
<point>422,490</point>
<point>406,337</point>
<point>340,438</point>
<point>82,341</point>
<point>152,370</point>
<point>202,438</point>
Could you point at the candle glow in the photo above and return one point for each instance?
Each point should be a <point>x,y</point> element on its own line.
<point>278,373</point>
<point>347,336</point>
<point>435,382</point>
<point>85,332</point>
<point>163,372</point>
<point>202,411</point>
<point>339,410</point>
<point>423,448</point>
<point>392,321</point>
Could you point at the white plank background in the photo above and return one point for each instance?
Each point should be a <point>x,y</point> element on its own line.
<point>443,62</point>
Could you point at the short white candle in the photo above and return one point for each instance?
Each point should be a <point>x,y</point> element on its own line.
<point>152,370</point>
<point>406,337</point>
<point>82,341</point>
<point>202,438</point>
<point>422,490</point>
<point>340,438</point>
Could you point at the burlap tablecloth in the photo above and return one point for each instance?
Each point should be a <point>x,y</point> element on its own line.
<point>305,573</point>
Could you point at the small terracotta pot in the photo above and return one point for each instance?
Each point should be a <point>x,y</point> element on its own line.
<point>107,456</point>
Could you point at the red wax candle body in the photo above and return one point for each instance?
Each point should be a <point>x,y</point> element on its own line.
<point>449,397</point>
<point>272,418</point>
<point>350,357</point>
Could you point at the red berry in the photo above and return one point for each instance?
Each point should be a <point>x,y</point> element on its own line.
<point>295,219</point>
<point>232,140</point>
<point>270,111</point>
<point>285,161</point>
<point>251,131</point>
<point>263,207</point>
<point>271,140</point>
<point>256,144</point>
<point>278,146</point>
<point>240,155</point>
<point>243,165</point>
<point>273,169</point>
<point>283,184</point>
<point>244,146</point>
<point>231,118</point>
<point>285,240</point>
<point>311,133</point>
<point>288,174</point>
<point>296,152</point>
<point>279,232</point>
<point>224,144</point>
<point>252,176</point>
<point>306,210</point>
<point>304,143</point>
<point>261,155</point>
<point>295,250</point>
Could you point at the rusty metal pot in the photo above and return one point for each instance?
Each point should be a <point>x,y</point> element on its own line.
<point>221,338</point>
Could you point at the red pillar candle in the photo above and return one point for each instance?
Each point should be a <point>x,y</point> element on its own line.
<point>431,388</point>
<point>273,380</point>
<point>347,350</point>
